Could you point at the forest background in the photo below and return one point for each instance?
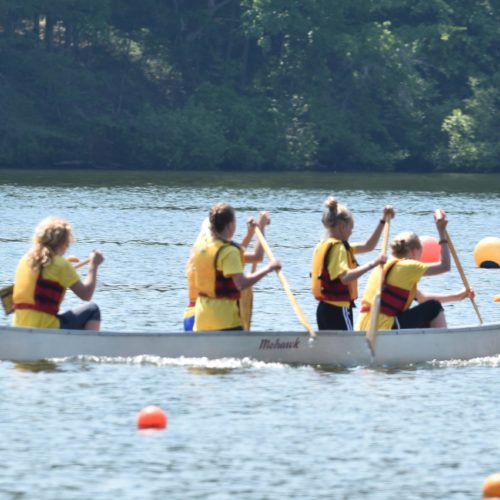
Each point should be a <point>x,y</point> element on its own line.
<point>387,85</point>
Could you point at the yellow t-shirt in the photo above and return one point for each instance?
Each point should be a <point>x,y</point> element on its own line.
<point>60,270</point>
<point>338,264</point>
<point>405,274</point>
<point>220,314</point>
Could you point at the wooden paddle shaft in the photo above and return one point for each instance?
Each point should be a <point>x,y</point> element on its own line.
<point>371,333</point>
<point>284,282</point>
<point>82,263</point>
<point>462,275</point>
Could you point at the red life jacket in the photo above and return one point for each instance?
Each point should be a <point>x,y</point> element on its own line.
<point>225,287</point>
<point>47,298</point>
<point>393,299</point>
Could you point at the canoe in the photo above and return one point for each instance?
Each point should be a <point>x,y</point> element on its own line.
<point>336,348</point>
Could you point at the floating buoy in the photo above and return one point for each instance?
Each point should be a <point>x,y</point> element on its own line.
<point>431,251</point>
<point>72,258</point>
<point>491,486</point>
<point>497,298</point>
<point>152,417</point>
<point>487,253</point>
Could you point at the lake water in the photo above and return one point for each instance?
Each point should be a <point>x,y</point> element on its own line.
<point>240,429</point>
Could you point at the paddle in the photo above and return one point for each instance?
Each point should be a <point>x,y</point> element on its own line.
<point>7,291</point>
<point>246,304</point>
<point>371,333</point>
<point>462,274</point>
<point>281,276</point>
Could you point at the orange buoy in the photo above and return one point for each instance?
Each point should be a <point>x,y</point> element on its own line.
<point>431,251</point>
<point>487,253</point>
<point>152,417</point>
<point>497,298</point>
<point>72,258</point>
<point>491,486</point>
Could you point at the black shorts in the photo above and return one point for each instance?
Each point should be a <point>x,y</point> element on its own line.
<point>419,316</point>
<point>331,317</point>
<point>77,318</point>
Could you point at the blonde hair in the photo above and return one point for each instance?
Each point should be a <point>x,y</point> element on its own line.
<point>335,213</point>
<point>220,216</point>
<point>403,243</point>
<point>202,235</point>
<point>49,235</point>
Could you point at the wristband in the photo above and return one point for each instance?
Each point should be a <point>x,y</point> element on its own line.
<point>382,221</point>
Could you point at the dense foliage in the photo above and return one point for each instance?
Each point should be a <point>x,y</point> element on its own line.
<point>251,84</point>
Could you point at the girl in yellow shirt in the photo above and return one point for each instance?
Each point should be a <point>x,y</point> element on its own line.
<point>250,256</point>
<point>334,267</point>
<point>401,275</point>
<point>218,270</point>
<point>42,277</point>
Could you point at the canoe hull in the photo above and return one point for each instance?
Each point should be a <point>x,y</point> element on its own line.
<point>394,348</point>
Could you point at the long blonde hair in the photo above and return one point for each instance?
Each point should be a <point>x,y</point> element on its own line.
<point>403,243</point>
<point>49,235</point>
<point>202,235</point>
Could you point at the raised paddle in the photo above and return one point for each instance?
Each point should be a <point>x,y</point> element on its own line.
<point>462,275</point>
<point>281,276</point>
<point>7,292</point>
<point>371,333</point>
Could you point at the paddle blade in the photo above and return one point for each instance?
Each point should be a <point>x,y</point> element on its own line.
<point>6,296</point>
<point>371,333</point>
<point>246,307</point>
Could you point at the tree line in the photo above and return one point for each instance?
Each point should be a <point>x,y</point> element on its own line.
<point>392,85</point>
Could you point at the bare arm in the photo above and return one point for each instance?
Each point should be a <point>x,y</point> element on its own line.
<point>443,265</point>
<point>257,254</point>
<point>372,241</point>
<point>445,297</point>
<point>243,281</point>
<point>85,290</point>
<point>354,274</point>
<point>250,232</point>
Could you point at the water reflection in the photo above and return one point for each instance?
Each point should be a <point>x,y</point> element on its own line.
<point>42,365</point>
<point>138,179</point>
<point>205,370</point>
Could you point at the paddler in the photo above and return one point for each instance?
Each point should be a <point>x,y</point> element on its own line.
<point>254,256</point>
<point>218,271</point>
<point>42,277</point>
<point>334,268</point>
<point>402,272</point>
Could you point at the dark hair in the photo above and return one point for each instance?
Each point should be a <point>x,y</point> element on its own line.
<point>335,213</point>
<point>220,216</point>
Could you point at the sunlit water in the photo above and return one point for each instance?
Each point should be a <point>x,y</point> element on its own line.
<point>237,428</point>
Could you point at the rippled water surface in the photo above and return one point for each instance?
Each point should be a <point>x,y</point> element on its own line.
<point>241,429</point>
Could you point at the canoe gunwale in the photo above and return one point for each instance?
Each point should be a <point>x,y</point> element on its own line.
<point>256,333</point>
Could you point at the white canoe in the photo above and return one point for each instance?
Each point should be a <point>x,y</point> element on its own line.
<point>394,348</point>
